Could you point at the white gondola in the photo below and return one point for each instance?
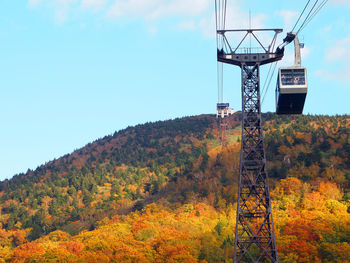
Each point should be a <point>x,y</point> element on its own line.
<point>223,110</point>
<point>291,87</point>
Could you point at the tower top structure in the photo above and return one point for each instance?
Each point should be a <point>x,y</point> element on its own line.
<point>249,56</point>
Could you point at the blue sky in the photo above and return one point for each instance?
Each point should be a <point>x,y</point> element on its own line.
<point>73,71</point>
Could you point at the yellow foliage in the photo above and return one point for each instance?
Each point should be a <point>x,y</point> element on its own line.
<point>310,226</point>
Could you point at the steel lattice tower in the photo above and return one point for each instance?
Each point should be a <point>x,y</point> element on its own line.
<point>255,238</point>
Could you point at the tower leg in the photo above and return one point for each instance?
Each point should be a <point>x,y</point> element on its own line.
<point>255,238</point>
<point>223,130</point>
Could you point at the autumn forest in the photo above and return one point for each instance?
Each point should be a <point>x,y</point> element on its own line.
<point>167,191</point>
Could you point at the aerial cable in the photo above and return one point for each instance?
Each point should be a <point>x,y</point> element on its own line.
<point>268,85</point>
<point>224,5</point>
<point>222,81</point>
<point>218,81</point>
<point>217,44</point>
<point>308,15</point>
<point>220,14</point>
<point>220,17</point>
<point>216,23</point>
<point>267,77</point>
<point>301,15</point>
<point>314,13</point>
<point>224,23</point>
<point>225,14</point>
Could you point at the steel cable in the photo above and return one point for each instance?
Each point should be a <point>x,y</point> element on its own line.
<point>267,77</point>
<point>307,16</point>
<point>273,72</point>
<point>301,15</point>
<point>220,17</point>
<point>314,14</point>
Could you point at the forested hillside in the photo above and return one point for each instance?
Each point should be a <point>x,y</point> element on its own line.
<point>166,192</point>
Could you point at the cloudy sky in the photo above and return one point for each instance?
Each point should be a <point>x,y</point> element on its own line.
<point>73,71</point>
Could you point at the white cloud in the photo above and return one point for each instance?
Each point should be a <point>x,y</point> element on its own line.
<point>339,54</point>
<point>152,30</point>
<point>187,25</point>
<point>207,26</point>
<point>157,9</point>
<point>342,75</point>
<point>236,18</point>
<point>190,15</point>
<point>33,3</point>
<point>341,2</point>
<point>93,4</point>
<point>340,50</point>
<point>327,29</point>
<point>62,7</point>
<point>148,10</point>
<point>289,18</point>
<point>64,3</point>
<point>61,16</point>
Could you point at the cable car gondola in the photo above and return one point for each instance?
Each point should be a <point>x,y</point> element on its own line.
<point>223,110</point>
<point>291,86</point>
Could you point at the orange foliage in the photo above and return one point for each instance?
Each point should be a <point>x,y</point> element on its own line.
<point>305,233</point>
<point>330,191</point>
<point>31,250</point>
<point>289,186</point>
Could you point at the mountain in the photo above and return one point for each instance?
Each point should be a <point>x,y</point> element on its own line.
<point>167,191</point>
